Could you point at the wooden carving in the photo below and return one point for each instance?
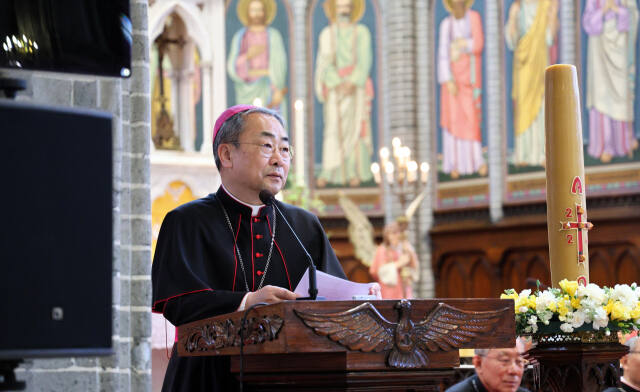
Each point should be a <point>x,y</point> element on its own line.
<point>363,328</point>
<point>221,334</point>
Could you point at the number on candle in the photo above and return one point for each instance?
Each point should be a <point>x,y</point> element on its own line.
<point>568,212</point>
<point>569,238</point>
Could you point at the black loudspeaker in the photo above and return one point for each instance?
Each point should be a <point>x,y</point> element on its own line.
<point>56,243</point>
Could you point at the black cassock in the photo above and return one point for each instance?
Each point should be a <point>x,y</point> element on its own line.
<point>197,274</point>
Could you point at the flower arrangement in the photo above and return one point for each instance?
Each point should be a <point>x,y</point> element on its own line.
<point>575,307</point>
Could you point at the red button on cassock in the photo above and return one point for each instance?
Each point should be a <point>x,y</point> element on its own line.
<point>259,236</point>
<point>259,273</point>
<point>258,254</point>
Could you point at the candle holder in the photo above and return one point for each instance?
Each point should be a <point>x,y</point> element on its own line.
<point>400,171</point>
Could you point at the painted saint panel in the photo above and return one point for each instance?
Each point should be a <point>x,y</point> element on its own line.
<point>531,44</point>
<point>257,41</point>
<point>610,88</point>
<point>460,112</point>
<point>344,88</point>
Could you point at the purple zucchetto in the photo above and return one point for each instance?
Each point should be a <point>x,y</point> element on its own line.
<point>228,114</point>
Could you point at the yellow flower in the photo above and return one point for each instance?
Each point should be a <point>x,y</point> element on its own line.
<point>575,302</point>
<point>620,312</point>
<point>569,286</point>
<point>635,313</point>
<point>552,306</point>
<point>609,306</point>
<point>562,308</point>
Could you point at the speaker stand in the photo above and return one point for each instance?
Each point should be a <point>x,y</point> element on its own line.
<point>8,380</point>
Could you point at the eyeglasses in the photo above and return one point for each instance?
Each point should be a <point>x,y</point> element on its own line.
<point>267,150</point>
<point>506,361</point>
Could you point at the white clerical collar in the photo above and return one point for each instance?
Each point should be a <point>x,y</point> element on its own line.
<point>254,209</point>
<point>625,381</point>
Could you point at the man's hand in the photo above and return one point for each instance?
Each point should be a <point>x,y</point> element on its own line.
<point>374,289</point>
<point>269,294</point>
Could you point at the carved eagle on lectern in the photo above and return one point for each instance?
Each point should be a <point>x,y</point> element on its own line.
<point>363,328</point>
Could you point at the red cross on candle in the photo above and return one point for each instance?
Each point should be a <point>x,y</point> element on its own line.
<point>578,225</point>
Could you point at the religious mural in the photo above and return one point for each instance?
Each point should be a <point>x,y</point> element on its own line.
<point>531,44</point>
<point>531,37</point>
<point>609,56</point>
<point>460,113</point>
<point>610,87</point>
<point>257,58</point>
<point>344,79</point>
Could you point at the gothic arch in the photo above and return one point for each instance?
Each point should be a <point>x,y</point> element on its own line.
<point>192,17</point>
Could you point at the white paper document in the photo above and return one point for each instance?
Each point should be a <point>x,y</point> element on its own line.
<point>334,289</point>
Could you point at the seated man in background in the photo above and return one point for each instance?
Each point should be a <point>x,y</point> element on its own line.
<point>630,363</point>
<point>497,370</point>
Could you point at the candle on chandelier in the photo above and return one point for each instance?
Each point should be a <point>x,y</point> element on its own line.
<point>388,168</point>
<point>412,171</point>
<point>396,144</point>
<point>384,156</point>
<point>424,172</point>
<point>375,169</point>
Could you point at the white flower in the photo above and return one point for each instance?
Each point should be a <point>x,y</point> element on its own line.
<point>600,319</point>
<point>565,327</point>
<point>543,300</point>
<point>525,293</point>
<point>578,318</point>
<point>545,316</point>
<point>523,309</point>
<point>532,320</point>
<point>625,294</point>
<point>593,292</point>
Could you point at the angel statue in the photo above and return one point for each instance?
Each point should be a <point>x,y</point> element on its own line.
<point>393,263</point>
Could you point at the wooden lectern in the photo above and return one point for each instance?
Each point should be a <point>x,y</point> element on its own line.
<point>352,345</point>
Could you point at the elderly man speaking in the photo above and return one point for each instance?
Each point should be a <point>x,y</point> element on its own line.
<point>228,250</point>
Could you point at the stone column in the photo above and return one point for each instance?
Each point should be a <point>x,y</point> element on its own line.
<point>207,107</point>
<point>494,100</point>
<point>425,71</point>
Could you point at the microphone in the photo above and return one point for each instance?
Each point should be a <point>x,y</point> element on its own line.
<point>267,198</point>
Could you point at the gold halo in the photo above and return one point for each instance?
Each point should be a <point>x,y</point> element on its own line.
<point>447,5</point>
<point>270,9</point>
<point>357,10</point>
